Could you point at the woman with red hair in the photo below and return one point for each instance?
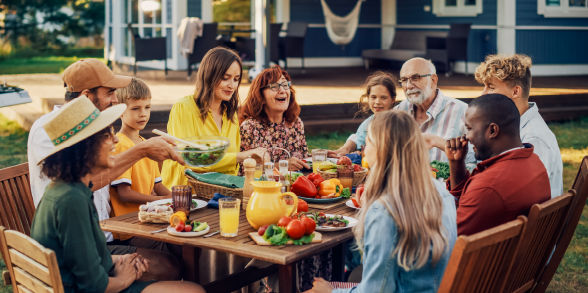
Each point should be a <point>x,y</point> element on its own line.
<point>269,118</point>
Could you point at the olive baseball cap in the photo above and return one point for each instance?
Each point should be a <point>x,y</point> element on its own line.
<point>89,73</point>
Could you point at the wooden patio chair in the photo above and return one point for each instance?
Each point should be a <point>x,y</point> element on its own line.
<point>33,268</point>
<point>16,200</point>
<point>545,222</point>
<point>575,212</point>
<point>482,261</point>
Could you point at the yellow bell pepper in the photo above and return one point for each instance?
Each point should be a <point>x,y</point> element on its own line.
<point>330,188</point>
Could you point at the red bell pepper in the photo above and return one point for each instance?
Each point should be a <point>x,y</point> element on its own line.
<point>316,179</point>
<point>303,187</point>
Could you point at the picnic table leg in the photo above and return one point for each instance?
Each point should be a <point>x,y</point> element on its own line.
<point>287,277</point>
<point>339,262</point>
<point>190,259</point>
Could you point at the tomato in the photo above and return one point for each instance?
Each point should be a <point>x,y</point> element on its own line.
<point>262,229</point>
<point>302,206</point>
<point>321,214</point>
<point>355,203</point>
<point>180,227</point>
<point>344,160</point>
<point>295,229</point>
<point>188,228</point>
<point>359,192</point>
<point>357,168</point>
<point>309,225</point>
<point>284,221</point>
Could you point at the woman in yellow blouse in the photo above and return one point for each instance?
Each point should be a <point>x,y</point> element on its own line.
<point>212,110</point>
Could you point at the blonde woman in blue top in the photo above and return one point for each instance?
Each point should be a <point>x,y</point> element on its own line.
<point>407,225</point>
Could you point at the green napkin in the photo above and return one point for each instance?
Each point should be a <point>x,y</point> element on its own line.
<point>221,179</point>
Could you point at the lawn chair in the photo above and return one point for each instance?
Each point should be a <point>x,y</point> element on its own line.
<point>482,261</point>
<point>33,268</point>
<point>148,49</point>
<point>544,225</point>
<point>16,200</point>
<point>573,217</point>
<point>292,45</point>
<point>202,44</point>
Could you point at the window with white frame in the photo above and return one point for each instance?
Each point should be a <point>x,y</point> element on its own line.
<point>457,7</point>
<point>562,8</point>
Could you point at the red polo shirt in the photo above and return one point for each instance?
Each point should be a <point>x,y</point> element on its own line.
<point>500,189</point>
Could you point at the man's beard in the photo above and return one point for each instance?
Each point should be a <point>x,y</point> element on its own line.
<point>422,96</point>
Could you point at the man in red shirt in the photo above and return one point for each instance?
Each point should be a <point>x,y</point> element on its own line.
<point>510,178</point>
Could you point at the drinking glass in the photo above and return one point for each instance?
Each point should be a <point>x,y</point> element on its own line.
<point>345,175</point>
<point>318,156</point>
<point>268,169</point>
<point>229,216</point>
<point>182,198</point>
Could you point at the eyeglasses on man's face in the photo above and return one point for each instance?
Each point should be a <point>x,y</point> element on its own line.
<point>276,86</point>
<point>413,78</point>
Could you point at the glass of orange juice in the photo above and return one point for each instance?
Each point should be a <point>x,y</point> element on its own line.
<point>229,208</point>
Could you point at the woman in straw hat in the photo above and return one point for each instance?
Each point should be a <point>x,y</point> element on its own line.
<point>407,224</point>
<point>66,220</point>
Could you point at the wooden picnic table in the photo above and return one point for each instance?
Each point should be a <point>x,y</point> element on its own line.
<point>284,257</point>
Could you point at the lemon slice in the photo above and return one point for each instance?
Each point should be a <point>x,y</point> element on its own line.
<point>177,217</point>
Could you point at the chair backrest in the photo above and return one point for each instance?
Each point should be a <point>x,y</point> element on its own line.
<point>275,29</point>
<point>413,39</point>
<point>481,262</point>
<point>459,30</point>
<point>457,41</point>
<point>296,29</point>
<point>16,201</point>
<point>204,43</point>
<point>32,267</point>
<point>544,225</point>
<point>577,205</point>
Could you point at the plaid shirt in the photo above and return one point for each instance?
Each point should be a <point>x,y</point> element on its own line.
<point>445,118</point>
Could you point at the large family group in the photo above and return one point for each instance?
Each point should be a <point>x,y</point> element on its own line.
<point>502,158</point>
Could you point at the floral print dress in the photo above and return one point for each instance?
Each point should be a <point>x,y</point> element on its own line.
<point>265,134</point>
<point>256,133</point>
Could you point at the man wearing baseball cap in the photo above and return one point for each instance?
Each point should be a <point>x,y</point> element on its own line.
<point>92,78</point>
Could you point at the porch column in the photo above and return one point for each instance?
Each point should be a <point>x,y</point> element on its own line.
<point>506,22</point>
<point>261,26</point>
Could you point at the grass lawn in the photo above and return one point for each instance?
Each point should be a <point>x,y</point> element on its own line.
<point>50,64</point>
<point>572,274</point>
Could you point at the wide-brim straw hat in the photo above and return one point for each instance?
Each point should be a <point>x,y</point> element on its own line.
<point>78,120</point>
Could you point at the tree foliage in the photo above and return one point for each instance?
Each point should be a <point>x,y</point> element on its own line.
<point>50,24</point>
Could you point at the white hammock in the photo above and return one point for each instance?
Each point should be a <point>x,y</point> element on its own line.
<point>341,29</point>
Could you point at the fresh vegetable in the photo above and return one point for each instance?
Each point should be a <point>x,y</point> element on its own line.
<point>330,188</point>
<point>442,169</point>
<point>355,203</point>
<point>302,206</point>
<point>346,193</point>
<point>303,187</point>
<point>359,191</point>
<point>177,217</point>
<point>327,165</point>
<point>196,157</point>
<point>295,229</point>
<point>309,225</point>
<point>199,226</point>
<point>344,160</point>
<point>364,163</point>
<point>357,168</point>
<point>284,221</point>
<point>316,179</point>
<point>262,229</point>
<point>323,220</point>
<point>275,235</point>
<point>180,226</point>
<point>303,240</point>
<point>187,228</point>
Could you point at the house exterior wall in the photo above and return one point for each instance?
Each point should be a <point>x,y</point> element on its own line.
<point>317,42</point>
<point>550,40</point>
<point>194,8</point>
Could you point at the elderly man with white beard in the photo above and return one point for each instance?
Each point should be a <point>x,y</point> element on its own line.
<point>440,117</point>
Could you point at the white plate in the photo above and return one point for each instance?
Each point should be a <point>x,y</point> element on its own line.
<point>352,222</point>
<point>172,231</point>
<point>350,204</point>
<point>201,203</point>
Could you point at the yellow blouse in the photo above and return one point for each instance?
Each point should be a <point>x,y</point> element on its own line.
<point>184,121</point>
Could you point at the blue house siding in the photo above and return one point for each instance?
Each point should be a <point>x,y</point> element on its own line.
<point>527,15</point>
<point>412,12</point>
<point>317,42</point>
<point>194,8</point>
<point>553,46</point>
